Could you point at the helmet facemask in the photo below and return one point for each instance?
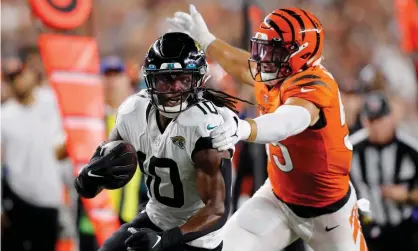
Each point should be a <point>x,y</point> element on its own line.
<point>173,71</point>
<point>172,91</point>
<point>270,59</point>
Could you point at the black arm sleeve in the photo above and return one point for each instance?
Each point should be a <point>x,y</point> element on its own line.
<point>206,143</point>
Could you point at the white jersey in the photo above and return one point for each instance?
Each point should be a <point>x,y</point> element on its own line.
<point>168,167</point>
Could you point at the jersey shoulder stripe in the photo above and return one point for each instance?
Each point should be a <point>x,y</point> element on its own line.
<point>313,84</point>
<point>310,78</point>
<point>305,77</point>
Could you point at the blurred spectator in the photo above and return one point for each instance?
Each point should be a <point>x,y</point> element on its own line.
<point>31,133</point>
<point>384,171</point>
<point>32,58</point>
<point>116,83</point>
<point>135,75</point>
<point>369,80</point>
<point>6,91</point>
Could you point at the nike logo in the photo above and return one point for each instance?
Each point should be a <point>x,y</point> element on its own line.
<point>132,230</point>
<point>329,229</point>
<point>306,90</point>
<point>94,175</point>
<point>158,240</point>
<point>210,127</point>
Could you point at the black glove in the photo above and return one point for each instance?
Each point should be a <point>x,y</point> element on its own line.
<point>99,171</point>
<point>145,239</point>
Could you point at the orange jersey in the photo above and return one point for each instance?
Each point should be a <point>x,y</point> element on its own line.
<point>310,168</point>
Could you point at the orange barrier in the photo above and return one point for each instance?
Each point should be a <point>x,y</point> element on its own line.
<point>407,16</point>
<point>68,14</point>
<point>65,245</point>
<point>72,66</point>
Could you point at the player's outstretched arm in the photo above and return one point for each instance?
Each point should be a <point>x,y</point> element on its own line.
<point>290,119</point>
<point>213,181</point>
<point>233,60</point>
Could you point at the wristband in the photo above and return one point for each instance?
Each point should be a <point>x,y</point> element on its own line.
<point>253,133</point>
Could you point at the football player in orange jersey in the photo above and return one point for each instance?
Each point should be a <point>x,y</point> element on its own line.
<point>308,193</point>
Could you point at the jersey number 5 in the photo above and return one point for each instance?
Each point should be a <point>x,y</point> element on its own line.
<point>177,200</point>
<point>347,142</point>
<point>288,165</point>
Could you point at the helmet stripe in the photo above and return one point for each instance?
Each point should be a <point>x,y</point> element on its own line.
<point>275,27</point>
<point>289,23</point>
<point>299,19</point>
<point>318,36</point>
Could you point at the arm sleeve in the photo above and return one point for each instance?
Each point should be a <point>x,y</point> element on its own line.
<point>286,121</point>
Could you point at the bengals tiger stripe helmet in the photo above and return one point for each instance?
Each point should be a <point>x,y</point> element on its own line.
<point>287,41</point>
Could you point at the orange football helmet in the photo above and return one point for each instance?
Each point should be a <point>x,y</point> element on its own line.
<point>287,41</point>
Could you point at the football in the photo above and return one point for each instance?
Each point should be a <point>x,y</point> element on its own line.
<point>123,168</point>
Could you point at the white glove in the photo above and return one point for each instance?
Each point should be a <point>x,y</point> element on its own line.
<point>194,25</point>
<point>230,132</point>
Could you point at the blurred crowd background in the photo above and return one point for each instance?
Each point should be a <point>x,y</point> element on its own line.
<point>369,47</point>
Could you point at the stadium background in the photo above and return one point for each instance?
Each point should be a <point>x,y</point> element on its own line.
<point>370,46</point>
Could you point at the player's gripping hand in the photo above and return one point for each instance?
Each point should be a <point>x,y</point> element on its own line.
<point>99,173</point>
<point>192,24</point>
<point>230,132</point>
<point>145,239</point>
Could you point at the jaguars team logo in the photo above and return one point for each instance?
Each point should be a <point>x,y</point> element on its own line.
<point>179,141</point>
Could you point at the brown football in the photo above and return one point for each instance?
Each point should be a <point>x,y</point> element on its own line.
<point>124,163</point>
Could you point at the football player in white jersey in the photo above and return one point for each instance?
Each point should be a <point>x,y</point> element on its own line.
<point>169,124</point>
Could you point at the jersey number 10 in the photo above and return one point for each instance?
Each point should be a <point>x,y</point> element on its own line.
<point>154,187</point>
